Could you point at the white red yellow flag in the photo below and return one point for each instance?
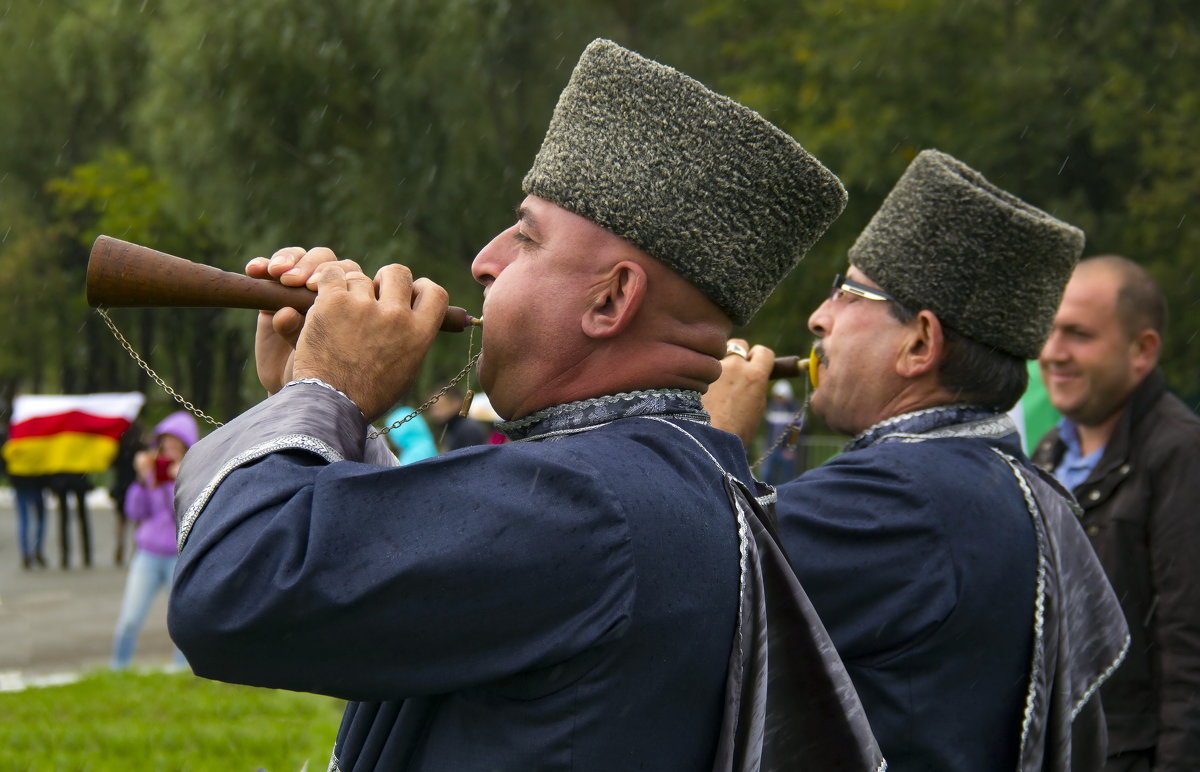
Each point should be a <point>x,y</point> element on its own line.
<point>77,433</point>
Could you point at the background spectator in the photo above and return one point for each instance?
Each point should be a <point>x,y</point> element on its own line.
<point>411,441</point>
<point>65,486</point>
<point>1130,452</point>
<point>780,463</point>
<point>131,443</point>
<point>150,500</point>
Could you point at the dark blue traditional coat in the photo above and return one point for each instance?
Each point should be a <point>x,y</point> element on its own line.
<point>960,592</point>
<point>572,600</point>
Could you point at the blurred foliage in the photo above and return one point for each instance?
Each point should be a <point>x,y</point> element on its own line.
<point>399,130</point>
<point>390,130</point>
<point>1083,109</point>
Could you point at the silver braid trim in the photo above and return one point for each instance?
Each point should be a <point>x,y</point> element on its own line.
<point>743,566</point>
<point>323,384</point>
<point>558,434</point>
<point>894,420</point>
<point>286,442</point>
<point>1100,679</point>
<point>1108,671</point>
<point>999,426</point>
<point>1039,607</point>
<point>572,407</point>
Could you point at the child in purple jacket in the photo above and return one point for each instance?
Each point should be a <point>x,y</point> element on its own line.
<point>150,502</point>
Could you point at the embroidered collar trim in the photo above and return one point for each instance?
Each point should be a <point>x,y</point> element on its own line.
<point>599,410</point>
<point>935,423</point>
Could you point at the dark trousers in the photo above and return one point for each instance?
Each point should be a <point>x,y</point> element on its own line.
<point>65,487</point>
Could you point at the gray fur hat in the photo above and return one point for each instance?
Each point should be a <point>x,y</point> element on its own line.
<point>692,178</point>
<point>990,266</point>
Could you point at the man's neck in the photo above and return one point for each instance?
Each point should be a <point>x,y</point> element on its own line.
<point>917,395</point>
<point>620,369</point>
<point>1092,438</point>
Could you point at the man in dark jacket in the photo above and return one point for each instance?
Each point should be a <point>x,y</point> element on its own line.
<point>1130,451</point>
<point>951,574</point>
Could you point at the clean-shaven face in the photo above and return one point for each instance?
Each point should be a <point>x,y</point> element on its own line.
<point>537,277</point>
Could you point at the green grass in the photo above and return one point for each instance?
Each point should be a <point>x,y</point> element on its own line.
<point>158,721</point>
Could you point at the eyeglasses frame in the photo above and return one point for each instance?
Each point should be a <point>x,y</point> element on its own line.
<point>842,284</point>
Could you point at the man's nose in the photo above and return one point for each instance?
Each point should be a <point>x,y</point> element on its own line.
<point>491,260</point>
<point>1053,350</point>
<point>819,320</point>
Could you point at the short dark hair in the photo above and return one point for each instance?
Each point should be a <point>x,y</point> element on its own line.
<point>1141,304</point>
<point>975,372</point>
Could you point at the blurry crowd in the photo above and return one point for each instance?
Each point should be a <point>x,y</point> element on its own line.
<point>140,483</point>
<point>63,497</point>
<point>454,422</point>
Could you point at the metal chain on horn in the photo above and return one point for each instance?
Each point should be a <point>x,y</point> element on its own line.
<point>125,344</point>
<point>429,402</point>
<point>471,360</point>
<point>791,434</point>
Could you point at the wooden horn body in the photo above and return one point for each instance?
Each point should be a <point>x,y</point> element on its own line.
<point>121,274</point>
<point>125,275</point>
<point>794,367</point>
<point>787,367</point>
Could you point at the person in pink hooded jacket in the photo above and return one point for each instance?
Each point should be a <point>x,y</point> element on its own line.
<point>150,503</point>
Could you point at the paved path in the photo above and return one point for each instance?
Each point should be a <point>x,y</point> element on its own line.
<point>55,623</point>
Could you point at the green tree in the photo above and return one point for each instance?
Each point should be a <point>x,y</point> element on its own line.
<point>1082,109</point>
<point>117,197</point>
<point>65,89</point>
<point>392,131</point>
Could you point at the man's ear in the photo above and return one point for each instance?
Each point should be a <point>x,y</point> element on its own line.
<point>1145,346</point>
<point>616,298</point>
<point>924,346</point>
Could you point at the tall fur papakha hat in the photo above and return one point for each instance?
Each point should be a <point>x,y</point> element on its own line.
<point>692,178</point>
<point>990,266</point>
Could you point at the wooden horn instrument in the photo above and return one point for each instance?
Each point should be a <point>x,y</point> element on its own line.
<point>788,367</point>
<point>795,367</point>
<point>125,275</point>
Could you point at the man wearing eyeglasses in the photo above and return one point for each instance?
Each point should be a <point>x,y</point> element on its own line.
<point>951,574</point>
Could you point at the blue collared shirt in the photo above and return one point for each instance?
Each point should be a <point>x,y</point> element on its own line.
<point>1074,467</point>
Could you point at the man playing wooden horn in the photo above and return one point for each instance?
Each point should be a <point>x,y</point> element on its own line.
<point>952,575</point>
<point>598,594</point>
